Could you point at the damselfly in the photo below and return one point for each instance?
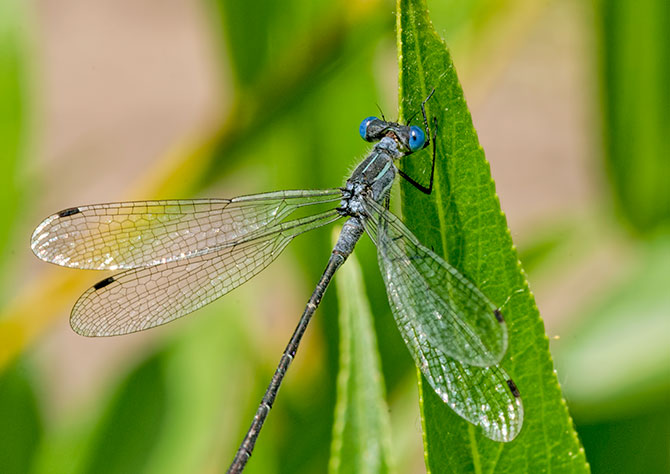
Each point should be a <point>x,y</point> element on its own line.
<point>180,255</point>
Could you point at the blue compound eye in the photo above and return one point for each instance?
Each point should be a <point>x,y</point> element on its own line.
<point>364,127</point>
<point>416,138</point>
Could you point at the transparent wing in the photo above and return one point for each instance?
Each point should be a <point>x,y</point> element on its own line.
<point>454,333</point>
<point>484,396</point>
<point>142,298</point>
<point>431,296</point>
<point>143,233</point>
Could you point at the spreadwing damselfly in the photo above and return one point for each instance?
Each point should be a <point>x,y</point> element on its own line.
<point>176,256</point>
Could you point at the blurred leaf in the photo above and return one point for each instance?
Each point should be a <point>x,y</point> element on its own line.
<point>556,246</point>
<point>462,221</point>
<point>176,411</point>
<point>64,448</point>
<point>617,361</point>
<point>248,26</point>
<point>13,120</point>
<point>545,245</point>
<point>637,444</point>
<point>124,440</point>
<point>259,33</point>
<point>205,385</point>
<point>635,73</point>
<point>361,431</point>
<point>310,43</point>
<point>21,421</point>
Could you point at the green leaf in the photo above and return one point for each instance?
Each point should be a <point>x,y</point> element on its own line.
<point>129,430</point>
<point>206,367</point>
<point>116,433</point>
<point>462,221</point>
<point>21,427</point>
<point>13,97</point>
<point>635,72</point>
<point>280,56</point>
<point>630,444</point>
<point>361,431</point>
<point>258,33</point>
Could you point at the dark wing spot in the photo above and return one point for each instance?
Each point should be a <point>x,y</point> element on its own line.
<point>498,315</point>
<point>513,389</point>
<point>69,212</point>
<point>103,283</point>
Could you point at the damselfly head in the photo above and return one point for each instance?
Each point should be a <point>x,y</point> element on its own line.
<point>409,139</point>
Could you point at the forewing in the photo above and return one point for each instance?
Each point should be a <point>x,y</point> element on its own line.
<point>427,294</point>
<point>143,233</point>
<point>142,298</point>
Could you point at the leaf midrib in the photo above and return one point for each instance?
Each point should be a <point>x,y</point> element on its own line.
<point>439,205</point>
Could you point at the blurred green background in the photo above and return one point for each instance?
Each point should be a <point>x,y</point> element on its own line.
<point>116,100</point>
